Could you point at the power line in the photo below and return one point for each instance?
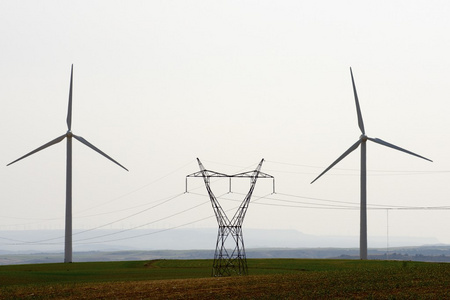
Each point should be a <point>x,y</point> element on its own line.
<point>184,165</point>
<point>391,172</point>
<point>271,197</point>
<point>344,202</point>
<point>150,233</point>
<point>146,224</point>
<point>137,189</point>
<point>107,224</point>
<point>42,242</point>
<point>170,228</point>
<point>101,204</point>
<point>375,206</point>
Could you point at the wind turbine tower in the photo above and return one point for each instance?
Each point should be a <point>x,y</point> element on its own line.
<point>362,141</point>
<point>69,135</point>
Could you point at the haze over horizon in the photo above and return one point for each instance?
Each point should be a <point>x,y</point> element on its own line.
<point>203,239</point>
<point>158,84</point>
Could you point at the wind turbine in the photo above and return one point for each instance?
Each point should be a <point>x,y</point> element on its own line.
<point>68,135</point>
<point>362,141</point>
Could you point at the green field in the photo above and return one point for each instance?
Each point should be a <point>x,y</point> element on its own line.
<point>190,279</point>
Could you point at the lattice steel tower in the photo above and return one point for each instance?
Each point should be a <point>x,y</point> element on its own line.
<point>230,261</point>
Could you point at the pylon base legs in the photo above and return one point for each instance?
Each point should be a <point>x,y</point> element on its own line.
<point>229,258</point>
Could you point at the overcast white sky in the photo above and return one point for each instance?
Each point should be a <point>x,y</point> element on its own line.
<point>159,83</point>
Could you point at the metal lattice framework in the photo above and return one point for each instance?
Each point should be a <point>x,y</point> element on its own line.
<point>230,261</point>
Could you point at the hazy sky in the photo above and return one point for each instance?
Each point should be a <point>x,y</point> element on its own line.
<point>159,83</point>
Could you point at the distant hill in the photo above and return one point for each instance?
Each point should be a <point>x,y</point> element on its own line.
<point>184,239</point>
<point>42,246</point>
<point>424,253</point>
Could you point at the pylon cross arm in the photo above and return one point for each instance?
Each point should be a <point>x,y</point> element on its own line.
<point>251,174</point>
<point>207,173</point>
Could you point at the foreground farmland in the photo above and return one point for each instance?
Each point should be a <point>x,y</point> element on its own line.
<point>189,279</point>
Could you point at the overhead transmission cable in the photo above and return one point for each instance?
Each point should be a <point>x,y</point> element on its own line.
<point>167,229</point>
<point>146,224</point>
<point>107,224</point>
<point>138,189</point>
<point>149,233</point>
<point>128,229</point>
<point>343,207</point>
<point>315,206</point>
<point>349,205</point>
<point>121,219</point>
<point>38,221</point>
<point>390,172</point>
<point>336,201</point>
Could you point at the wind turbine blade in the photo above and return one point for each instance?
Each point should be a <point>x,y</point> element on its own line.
<point>350,150</point>
<point>69,110</point>
<point>55,141</point>
<point>358,109</point>
<point>82,140</point>
<point>384,143</point>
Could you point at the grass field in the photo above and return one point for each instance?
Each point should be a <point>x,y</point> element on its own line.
<point>190,279</point>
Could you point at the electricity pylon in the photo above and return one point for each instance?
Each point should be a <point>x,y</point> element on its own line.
<point>229,262</point>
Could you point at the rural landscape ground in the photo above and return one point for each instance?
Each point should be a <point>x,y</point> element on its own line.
<point>191,279</point>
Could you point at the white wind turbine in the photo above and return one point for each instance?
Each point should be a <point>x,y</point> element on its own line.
<point>362,141</point>
<point>68,135</point>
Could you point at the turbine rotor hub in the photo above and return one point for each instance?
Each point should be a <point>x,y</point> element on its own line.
<point>363,137</point>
